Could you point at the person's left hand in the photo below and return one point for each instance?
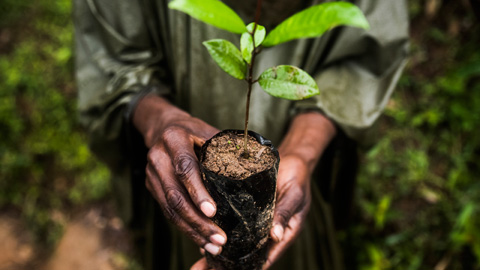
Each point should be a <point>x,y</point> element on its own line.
<point>293,203</point>
<point>308,136</point>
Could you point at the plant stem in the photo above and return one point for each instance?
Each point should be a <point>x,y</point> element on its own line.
<point>245,135</point>
<point>250,80</point>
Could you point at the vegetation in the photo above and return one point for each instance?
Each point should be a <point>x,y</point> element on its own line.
<point>283,81</point>
<point>46,166</point>
<point>418,194</point>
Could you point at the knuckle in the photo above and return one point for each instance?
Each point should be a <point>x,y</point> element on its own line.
<point>171,215</point>
<point>170,133</point>
<point>153,155</point>
<point>198,239</point>
<point>297,193</point>
<point>199,228</point>
<point>175,200</point>
<point>283,215</point>
<point>184,167</point>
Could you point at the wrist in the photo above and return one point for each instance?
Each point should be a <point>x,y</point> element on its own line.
<point>308,136</point>
<point>151,115</point>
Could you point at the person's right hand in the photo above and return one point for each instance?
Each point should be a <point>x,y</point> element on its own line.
<point>173,175</point>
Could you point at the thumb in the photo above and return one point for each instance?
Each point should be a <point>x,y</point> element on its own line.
<point>287,205</point>
<point>200,265</point>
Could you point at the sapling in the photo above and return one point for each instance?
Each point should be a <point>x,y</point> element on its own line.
<point>283,81</point>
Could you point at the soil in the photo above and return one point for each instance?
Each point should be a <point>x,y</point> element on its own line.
<point>244,208</point>
<point>224,156</point>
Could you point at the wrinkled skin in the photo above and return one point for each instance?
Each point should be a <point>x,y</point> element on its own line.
<point>173,175</point>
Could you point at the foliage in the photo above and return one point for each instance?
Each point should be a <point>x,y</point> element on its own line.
<point>419,192</point>
<point>304,24</point>
<point>213,12</point>
<point>46,164</point>
<point>316,20</point>
<point>278,80</point>
<point>246,41</point>
<point>281,81</point>
<point>227,56</point>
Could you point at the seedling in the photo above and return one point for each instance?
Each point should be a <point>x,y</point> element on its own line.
<point>283,81</point>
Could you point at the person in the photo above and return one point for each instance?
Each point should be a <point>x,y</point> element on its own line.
<point>149,96</point>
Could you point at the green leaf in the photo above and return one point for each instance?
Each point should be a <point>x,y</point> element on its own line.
<point>260,33</point>
<point>227,56</point>
<point>212,12</point>
<point>316,20</point>
<point>288,82</point>
<point>246,42</point>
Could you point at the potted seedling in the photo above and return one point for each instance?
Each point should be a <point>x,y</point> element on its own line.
<point>239,168</point>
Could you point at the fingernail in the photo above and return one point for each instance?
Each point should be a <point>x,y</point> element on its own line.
<point>212,249</point>
<point>278,232</point>
<point>208,209</point>
<point>218,239</point>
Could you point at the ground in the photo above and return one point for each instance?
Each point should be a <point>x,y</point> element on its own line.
<point>94,238</point>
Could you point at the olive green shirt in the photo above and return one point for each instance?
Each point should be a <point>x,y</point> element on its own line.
<point>122,47</point>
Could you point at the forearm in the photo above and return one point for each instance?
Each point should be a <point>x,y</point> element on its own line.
<point>151,115</point>
<point>308,136</point>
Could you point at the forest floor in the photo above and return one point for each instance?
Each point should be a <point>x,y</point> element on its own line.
<point>94,238</point>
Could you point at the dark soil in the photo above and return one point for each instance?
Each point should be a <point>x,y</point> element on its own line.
<point>224,156</point>
<point>244,208</point>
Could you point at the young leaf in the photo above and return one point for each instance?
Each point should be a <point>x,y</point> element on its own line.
<point>316,20</point>
<point>288,82</point>
<point>227,56</point>
<point>246,43</point>
<point>213,12</point>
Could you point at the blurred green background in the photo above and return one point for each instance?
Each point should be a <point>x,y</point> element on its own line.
<point>418,195</point>
<point>46,166</point>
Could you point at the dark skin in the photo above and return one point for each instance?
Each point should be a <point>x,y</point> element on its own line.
<point>173,175</point>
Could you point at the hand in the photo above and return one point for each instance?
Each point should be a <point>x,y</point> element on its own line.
<point>300,151</point>
<point>293,203</point>
<point>173,175</point>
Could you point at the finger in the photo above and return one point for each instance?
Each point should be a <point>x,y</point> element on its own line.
<point>291,232</point>
<point>198,129</point>
<point>291,200</point>
<point>176,199</point>
<point>200,265</point>
<point>178,208</point>
<point>156,189</point>
<point>179,146</point>
<point>202,132</point>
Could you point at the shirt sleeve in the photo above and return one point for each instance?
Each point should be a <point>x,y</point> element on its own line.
<point>357,70</point>
<point>119,55</point>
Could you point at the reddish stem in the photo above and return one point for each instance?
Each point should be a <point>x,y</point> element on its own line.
<point>250,80</point>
